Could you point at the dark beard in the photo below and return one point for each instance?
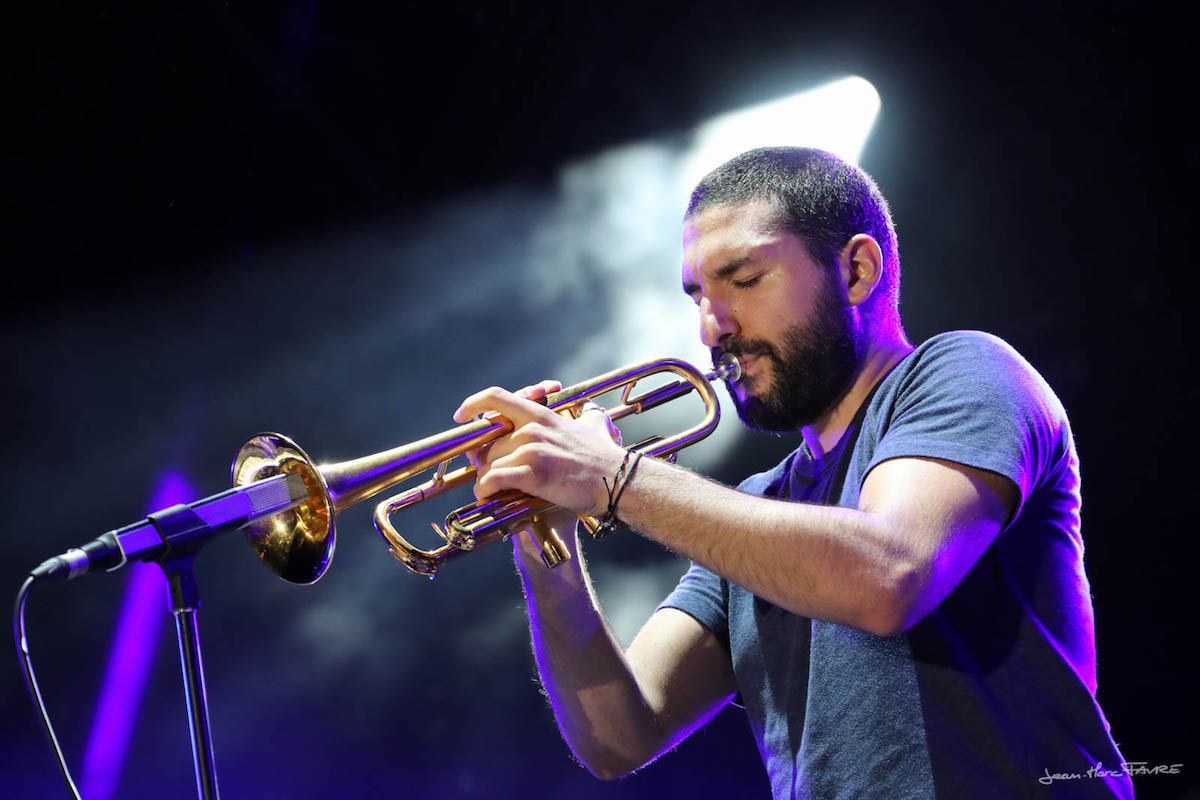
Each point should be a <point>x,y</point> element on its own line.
<point>817,364</point>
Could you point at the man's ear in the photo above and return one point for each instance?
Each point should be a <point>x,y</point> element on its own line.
<point>861,265</point>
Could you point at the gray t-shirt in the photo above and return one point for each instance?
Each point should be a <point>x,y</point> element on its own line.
<point>996,687</point>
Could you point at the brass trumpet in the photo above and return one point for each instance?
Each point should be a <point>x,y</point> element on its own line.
<point>297,545</point>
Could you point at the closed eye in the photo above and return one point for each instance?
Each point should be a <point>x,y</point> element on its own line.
<point>748,282</point>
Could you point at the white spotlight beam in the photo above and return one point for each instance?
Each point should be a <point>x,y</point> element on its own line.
<point>836,117</point>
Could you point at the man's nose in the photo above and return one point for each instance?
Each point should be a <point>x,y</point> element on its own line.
<point>716,322</point>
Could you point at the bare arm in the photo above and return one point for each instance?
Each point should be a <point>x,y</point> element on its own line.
<point>618,710</point>
<point>920,526</point>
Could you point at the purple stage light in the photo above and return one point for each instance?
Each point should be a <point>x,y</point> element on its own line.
<point>129,661</point>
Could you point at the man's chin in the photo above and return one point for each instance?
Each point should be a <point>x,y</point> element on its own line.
<point>761,414</point>
<point>745,401</point>
<point>751,411</point>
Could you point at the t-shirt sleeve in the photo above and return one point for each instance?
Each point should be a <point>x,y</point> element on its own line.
<point>704,596</point>
<point>972,399</point>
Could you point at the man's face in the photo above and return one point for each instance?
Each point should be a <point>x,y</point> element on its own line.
<point>763,298</point>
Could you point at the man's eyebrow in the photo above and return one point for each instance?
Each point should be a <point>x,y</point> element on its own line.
<point>733,266</point>
<point>730,267</point>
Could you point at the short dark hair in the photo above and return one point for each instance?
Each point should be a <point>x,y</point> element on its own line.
<point>819,197</point>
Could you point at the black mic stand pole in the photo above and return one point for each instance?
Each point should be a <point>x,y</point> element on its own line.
<point>185,602</point>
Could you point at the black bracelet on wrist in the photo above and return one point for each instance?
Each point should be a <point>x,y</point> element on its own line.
<point>610,522</point>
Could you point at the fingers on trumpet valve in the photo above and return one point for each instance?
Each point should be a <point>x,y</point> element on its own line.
<point>495,401</point>
<point>613,430</point>
<point>587,406</point>
<point>540,389</point>
<point>536,392</point>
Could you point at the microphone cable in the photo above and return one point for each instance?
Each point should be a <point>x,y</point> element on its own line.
<point>35,694</point>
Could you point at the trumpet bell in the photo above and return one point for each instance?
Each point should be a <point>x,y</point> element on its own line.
<point>296,545</point>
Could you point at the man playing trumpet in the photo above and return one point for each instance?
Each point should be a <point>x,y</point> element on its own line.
<point>901,603</point>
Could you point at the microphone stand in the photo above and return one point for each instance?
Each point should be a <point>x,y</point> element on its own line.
<point>185,602</point>
<point>170,538</point>
<point>175,523</point>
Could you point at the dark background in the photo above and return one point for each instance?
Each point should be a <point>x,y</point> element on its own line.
<point>314,218</point>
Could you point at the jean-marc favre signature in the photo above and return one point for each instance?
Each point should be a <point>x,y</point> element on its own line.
<point>1098,770</point>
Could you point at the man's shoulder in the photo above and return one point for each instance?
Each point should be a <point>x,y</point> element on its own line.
<point>972,361</point>
<point>971,398</point>
<point>965,344</point>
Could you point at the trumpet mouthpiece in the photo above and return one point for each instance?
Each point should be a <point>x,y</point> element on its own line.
<point>727,368</point>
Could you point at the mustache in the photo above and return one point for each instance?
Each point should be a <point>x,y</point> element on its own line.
<point>743,347</point>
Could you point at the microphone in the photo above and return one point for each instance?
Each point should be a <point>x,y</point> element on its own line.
<point>178,530</point>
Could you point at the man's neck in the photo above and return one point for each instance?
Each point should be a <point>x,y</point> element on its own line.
<point>827,431</point>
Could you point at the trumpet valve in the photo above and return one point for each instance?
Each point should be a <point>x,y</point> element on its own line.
<point>550,546</point>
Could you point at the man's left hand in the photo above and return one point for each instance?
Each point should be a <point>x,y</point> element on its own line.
<point>548,455</point>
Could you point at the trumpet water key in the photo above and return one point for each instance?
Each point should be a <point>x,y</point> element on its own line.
<point>298,544</point>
